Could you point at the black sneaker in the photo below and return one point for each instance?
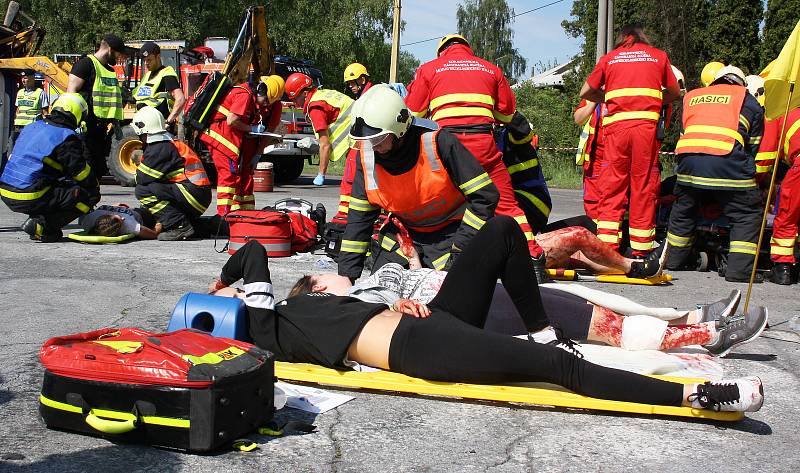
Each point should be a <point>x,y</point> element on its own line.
<point>735,395</point>
<point>539,269</point>
<point>738,329</point>
<point>181,232</point>
<point>781,274</point>
<point>652,265</point>
<point>721,309</point>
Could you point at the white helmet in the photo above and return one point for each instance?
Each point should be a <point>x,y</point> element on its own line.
<point>679,76</point>
<point>378,112</point>
<point>149,121</point>
<point>733,73</point>
<point>755,85</point>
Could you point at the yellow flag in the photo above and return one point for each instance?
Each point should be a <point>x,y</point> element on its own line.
<point>782,74</point>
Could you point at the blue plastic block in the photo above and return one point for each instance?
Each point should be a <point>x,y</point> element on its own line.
<point>219,316</point>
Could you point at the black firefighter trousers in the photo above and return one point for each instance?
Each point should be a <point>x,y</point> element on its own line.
<point>62,203</point>
<point>743,209</point>
<point>174,204</point>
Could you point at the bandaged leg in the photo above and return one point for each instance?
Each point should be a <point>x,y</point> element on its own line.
<point>642,332</point>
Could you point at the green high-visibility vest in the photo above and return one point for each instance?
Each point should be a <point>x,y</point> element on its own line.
<point>106,93</point>
<point>145,93</point>
<point>29,106</point>
<point>340,129</point>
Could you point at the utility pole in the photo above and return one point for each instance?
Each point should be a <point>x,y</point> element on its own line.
<point>605,28</point>
<point>395,42</point>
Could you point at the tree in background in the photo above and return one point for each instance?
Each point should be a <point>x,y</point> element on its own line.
<point>487,26</point>
<point>733,33</point>
<point>333,36</point>
<point>779,20</point>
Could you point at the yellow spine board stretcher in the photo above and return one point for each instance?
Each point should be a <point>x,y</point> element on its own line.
<point>573,275</point>
<point>557,397</point>
<point>84,237</point>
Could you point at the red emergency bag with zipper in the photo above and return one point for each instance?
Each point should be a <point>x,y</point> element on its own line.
<point>271,228</point>
<point>185,389</point>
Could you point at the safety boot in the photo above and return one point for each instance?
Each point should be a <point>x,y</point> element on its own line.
<point>781,274</point>
<point>181,232</point>
<point>36,228</point>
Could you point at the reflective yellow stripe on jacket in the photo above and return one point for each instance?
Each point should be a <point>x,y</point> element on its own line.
<point>29,106</point>
<point>632,115</point>
<point>106,93</point>
<point>145,93</point>
<point>338,131</point>
<point>465,110</point>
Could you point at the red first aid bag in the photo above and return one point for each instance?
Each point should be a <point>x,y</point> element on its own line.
<point>271,228</point>
<point>304,232</point>
<point>183,389</point>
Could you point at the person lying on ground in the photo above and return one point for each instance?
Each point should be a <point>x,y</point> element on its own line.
<point>571,247</point>
<point>119,219</point>
<point>334,331</point>
<point>713,326</point>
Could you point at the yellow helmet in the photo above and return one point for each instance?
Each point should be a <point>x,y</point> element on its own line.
<point>354,71</point>
<point>272,87</point>
<point>72,103</point>
<point>710,72</point>
<point>445,39</point>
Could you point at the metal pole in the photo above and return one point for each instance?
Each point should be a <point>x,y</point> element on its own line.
<point>395,42</point>
<point>602,27</point>
<point>610,26</point>
<point>769,197</point>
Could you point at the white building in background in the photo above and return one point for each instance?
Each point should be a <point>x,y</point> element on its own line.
<point>550,78</point>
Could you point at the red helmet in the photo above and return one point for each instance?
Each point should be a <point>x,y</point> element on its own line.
<point>296,83</point>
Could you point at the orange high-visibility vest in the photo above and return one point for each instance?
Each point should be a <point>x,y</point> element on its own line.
<point>711,120</point>
<point>193,169</point>
<point>424,198</point>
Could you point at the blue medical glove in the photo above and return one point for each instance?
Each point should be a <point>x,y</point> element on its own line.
<point>319,180</point>
<point>257,128</point>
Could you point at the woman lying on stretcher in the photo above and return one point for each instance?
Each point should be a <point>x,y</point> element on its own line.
<point>714,325</point>
<point>450,345</point>
<point>119,219</point>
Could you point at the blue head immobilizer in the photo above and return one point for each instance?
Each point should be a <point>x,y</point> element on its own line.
<point>219,316</point>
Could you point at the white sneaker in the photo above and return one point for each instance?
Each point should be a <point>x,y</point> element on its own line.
<point>733,395</point>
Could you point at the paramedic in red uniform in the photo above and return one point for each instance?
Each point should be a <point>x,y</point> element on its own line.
<point>630,80</point>
<point>242,111</point>
<point>590,115</point>
<point>784,230</point>
<point>467,95</point>
<point>329,114</point>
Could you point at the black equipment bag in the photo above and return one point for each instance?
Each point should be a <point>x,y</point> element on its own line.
<point>205,102</point>
<point>184,390</point>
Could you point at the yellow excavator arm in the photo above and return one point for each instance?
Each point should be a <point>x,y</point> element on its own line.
<point>251,48</point>
<point>57,73</point>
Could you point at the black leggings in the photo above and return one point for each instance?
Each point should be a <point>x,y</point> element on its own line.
<point>446,347</point>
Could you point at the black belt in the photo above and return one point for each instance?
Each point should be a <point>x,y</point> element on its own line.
<point>478,129</point>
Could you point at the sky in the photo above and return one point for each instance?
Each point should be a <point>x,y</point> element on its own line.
<point>537,35</point>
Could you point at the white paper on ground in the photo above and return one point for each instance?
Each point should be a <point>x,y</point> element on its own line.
<point>313,400</point>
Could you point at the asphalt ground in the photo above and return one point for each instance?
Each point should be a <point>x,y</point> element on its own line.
<point>61,288</point>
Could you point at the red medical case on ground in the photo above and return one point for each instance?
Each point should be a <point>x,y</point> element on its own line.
<point>271,228</point>
<point>185,389</point>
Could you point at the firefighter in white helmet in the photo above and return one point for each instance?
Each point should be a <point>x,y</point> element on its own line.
<point>424,176</point>
<point>171,181</point>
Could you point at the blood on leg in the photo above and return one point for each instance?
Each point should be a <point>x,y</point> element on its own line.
<point>677,336</point>
<point>605,326</point>
<point>578,243</point>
